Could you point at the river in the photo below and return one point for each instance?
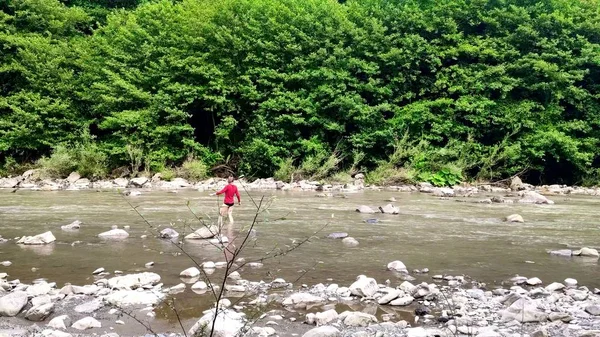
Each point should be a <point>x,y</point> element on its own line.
<point>446,236</point>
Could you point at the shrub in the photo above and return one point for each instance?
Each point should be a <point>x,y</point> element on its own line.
<point>386,174</point>
<point>60,164</point>
<point>342,178</point>
<point>286,170</point>
<point>193,170</point>
<point>168,174</point>
<point>91,162</point>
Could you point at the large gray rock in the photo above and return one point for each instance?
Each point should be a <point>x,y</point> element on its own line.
<point>73,177</point>
<point>364,287</point>
<point>516,184</point>
<point>39,289</point>
<point>390,296</point>
<point>532,197</point>
<point>54,333</point>
<point>326,317</point>
<point>169,233</point>
<point>121,182</point>
<point>350,242</point>
<point>228,324</point>
<point>13,303</point>
<point>323,331</point>
<point>134,281</point>
<point>40,239</point>
<point>60,322</point>
<point>205,232</point>
<point>86,323</point>
<point>190,272</point>
<point>40,312</point>
<point>355,318</point>
<point>365,209</point>
<point>402,301</point>
<point>114,234</point>
<point>389,209</point>
<point>397,266</point>
<point>586,252</point>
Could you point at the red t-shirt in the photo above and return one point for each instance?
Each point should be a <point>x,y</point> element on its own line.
<point>230,190</point>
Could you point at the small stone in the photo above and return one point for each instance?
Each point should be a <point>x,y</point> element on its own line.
<point>86,323</point>
<point>515,218</point>
<point>59,322</point>
<point>200,285</point>
<point>208,265</point>
<point>190,272</point>
<point>350,242</point>
<point>402,301</point>
<point>555,286</point>
<point>149,264</point>
<point>119,322</point>
<point>40,312</point>
<point>534,281</point>
<point>570,282</point>
<point>98,271</point>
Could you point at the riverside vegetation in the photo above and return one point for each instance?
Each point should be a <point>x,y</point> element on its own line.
<point>437,91</point>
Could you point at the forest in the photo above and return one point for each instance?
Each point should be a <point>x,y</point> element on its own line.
<point>400,90</point>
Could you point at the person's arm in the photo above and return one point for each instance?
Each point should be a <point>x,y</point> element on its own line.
<point>237,194</point>
<point>221,191</point>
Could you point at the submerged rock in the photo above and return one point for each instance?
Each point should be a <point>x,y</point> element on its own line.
<point>586,252</point>
<point>134,281</point>
<point>397,266</point>
<point>72,226</point>
<point>389,209</point>
<point>40,239</point>
<point>532,197</point>
<point>302,298</point>
<point>561,252</point>
<point>337,235</point>
<point>124,298</point>
<point>365,209</point>
<point>114,234</point>
<point>190,272</point>
<point>514,218</point>
<point>350,242</point>
<point>206,232</point>
<point>169,233</point>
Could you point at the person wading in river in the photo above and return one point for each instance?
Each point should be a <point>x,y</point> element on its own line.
<point>230,190</point>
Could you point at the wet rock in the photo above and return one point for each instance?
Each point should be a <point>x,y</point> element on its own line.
<point>325,317</point>
<point>169,233</point>
<point>323,331</point>
<point>149,264</point>
<point>422,311</point>
<point>200,285</point>
<point>402,301</point>
<point>124,298</point>
<point>114,234</point>
<point>356,319</point>
<point>555,286</point>
<point>350,242</point>
<point>534,281</point>
<point>532,197</point>
<point>397,266</point>
<point>561,252</point>
<point>40,239</point>
<point>586,252</point>
<point>40,312</point>
<point>443,192</point>
<point>177,289</point>
<point>208,265</point>
<point>13,303</point>
<point>389,209</point>
<point>86,323</point>
<point>390,296</point>
<point>372,221</point>
<point>228,323</point>
<point>593,310</point>
<point>337,235</point>
<point>89,307</point>
<point>60,322</point>
<point>72,226</point>
<point>570,282</point>
<point>302,298</point>
<point>98,271</point>
<point>515,218</point>
<point>134,281</point>
<point>190,272</point>
<point>205,232</point>
<point>365,209</point>
<point>364,287</point>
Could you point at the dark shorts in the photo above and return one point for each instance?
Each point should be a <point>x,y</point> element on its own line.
<point>229,204</point>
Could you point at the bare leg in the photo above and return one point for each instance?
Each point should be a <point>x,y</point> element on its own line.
<point>230,213</point>
<point>222,212</point>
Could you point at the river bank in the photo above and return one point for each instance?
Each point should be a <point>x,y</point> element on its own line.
<point>31,180</point>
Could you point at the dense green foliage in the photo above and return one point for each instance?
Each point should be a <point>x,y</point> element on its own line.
<point>406,90</point>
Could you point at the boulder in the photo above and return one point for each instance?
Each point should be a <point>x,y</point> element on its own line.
<point>40,312</point>
<point>570,282</point>
<point>190,272</point>
<point>205,232</point>
<point>86,323</point>
<point>355,318</point>
<point>138,182</point>
<point>40,239</point>
<point>402,301</point>
<point>200,285</point>
<point>302,299</point>
<point>323,331</point>
<point>38,289</point>
<point>9,183</point>
<point>326,317</point>
<point>134,281</point>
<point>169,233</point>
<point>523,310</point>
<point>364,287</point>
<point>534,281</point>
<point>72,226</point>
<point>365,209</point>
<point>114,234</point>
<point>389,209</point>
<point>390,296</point>
<point>60,322</point>
<point>125,298</point>
<point>515,218</point>
<point>350,242</point>
<point>337,235</point>
<point>516,184</point>
<point>554,286</point>
<point>586,252</point>
<point>532,197</point>
<point>73,177</point>
<point>13,303</point>
<point>89,307</point>
<point>593,310</point>
<point>228,323</point>
<point>397,266</point>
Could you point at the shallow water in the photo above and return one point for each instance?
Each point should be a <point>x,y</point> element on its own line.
<point>446,236</point>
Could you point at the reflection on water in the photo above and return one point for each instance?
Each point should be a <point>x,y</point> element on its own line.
<point>446,236</point>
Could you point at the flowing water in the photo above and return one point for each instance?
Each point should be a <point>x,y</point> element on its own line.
<point>446,236</point>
